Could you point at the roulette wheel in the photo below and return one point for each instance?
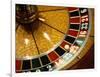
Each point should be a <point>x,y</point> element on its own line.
<point>50,38</point>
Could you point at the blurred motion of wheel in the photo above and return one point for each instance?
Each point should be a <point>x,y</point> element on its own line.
<point>52,38</point>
